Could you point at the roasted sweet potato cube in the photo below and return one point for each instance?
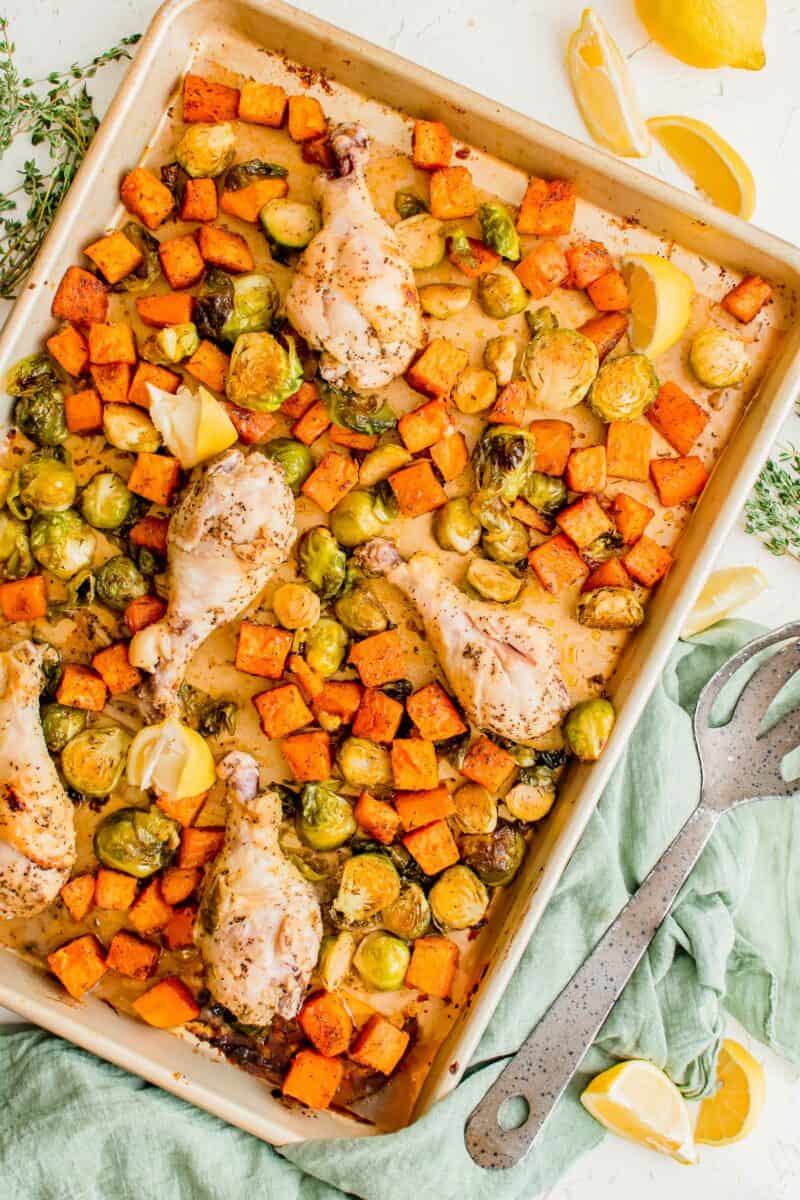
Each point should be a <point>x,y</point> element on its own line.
<point>301,400</point>
<point>318,151</point>
<point>433,847</point>
<point>339,436</point>
<point>114,255</point>
<point>677,417</point>
<point>183,809</point>
<point>199,201</point>
<point>312,424</point>
<point>586,469</point>
<point>81,298</point>
<point>150,373</point>
<point>452,194</point>
<point>181,261</point>
<point>313,1078</point>
<point>70,350</point>
<point>336,702</point>
<point>78,965</point>
<point>282,710</point>
<point>609,574</point>
<point>209,102</point>
<point>746,300</point>
<point>306,119</point>
<point>143,611</point>
<point>419,808</point>
<point>606,331</point>
<point>131,956</point>
<point>114,890</point>
<point>172,308</point>
<point>178,883</point>
<point>628,448</point>
<point>116,670</point>
<point>678,479</point>
<point>414,765</point>
<point>78,896</point>
<point>379,659</point>
<point>557,564</point>
<point>209,364</point>
<point>252,428</point>
<point>377,818</point>
<point>587,261</point>
<point>178,933</point>
<point>432,145</point>
<point>609,293</point>
<point>262,103</point>
<point>548,207</point>
<point>168,1004</point>
<point>332,478</point>
<point>199,846</point>
<point>151,532</point>
<point>509,407</point>
<point>150,910</point>
<point>488,764</point>
<point>450,456</point>
<point>380,1045</point>
<point>144,195</point>
<point>417,489</point>
<point>263,649</point>
<point>311,683</point>
<point>437,368</point>
<point>543,269</point>
<point>530,516</point>
<point>424,426</point>
<point>326,1023</point>
<point>155,476</point>
<point>308,755</point>
<point>112,343</point>
<point>647,562</point>
<point>631,517</point>
<point>584,521</point>
<point>24,599</point>
<point>378,717</point>
<point>81,687</point>
<point>553,444</point>
<point>247,202</point>
<point>433,966</point>
<point>434,714</point>
<point>84,412</point>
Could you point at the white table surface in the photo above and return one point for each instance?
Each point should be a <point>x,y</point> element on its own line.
<point>513,50</point>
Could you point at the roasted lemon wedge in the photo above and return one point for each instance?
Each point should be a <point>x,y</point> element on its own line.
<point>661,302</point>
<point>172,759</point>
<point>639,1102</point>
<point>735,1107</point>
<point>724,592</point>
<point>709,33</point>
<point>712,164</point>
<point>194,426</point>
<point>604,89</point>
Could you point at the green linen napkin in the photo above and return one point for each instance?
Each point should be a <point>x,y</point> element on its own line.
<point>74,1127</point>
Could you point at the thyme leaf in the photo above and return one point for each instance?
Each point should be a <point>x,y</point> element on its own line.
<point>773,511</point>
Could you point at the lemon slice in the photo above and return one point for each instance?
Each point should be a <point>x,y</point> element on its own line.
<point>712,164</point>
<point>661,302</point>
<point>172,759</point>
<point>709,33</point>
<point>725,591</point>
<point>639,1102</point>
<point>194,425</point>
<point>735,1107</point>
<point>604,89</point>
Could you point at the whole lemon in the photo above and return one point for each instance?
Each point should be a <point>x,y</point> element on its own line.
<point>709,33</point>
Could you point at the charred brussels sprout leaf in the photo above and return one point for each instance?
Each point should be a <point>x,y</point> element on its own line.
<point>218,718</point>
<point>214,306</point>
<point>60,724</point>
<point>205,151</point>
<point>624,389</point>
<point>244,173</point>
<point>62,543</point>
<point>137,841</point>
<point>560,365</point>
<point>119,581</point>
<point>497,230</point>
<point>31,375</point>
<point>588,727</point>
<point>458,899</point>
<point>610,608</point>
<point>362,414</point>
<point>325,819</point>
<point>106,502</point>
<point>409,916</point>
<point>322,561</point>
<point>295,458</point>
<point>382,961</point>
<point>494,857</point>
<point>262,372</point>
<point>93,760</point>
<point>504,460</point>
<point>408,204</point>
<point>369,883</point>
<point>148,271</point>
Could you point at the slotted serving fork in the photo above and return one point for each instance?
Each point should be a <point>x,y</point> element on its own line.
<point>739,762</point>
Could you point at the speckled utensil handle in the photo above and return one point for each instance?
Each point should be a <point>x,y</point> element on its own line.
<point>545,1063</point>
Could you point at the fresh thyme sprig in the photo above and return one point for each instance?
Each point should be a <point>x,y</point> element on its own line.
<point>55,113</point>
<point>773,510</point>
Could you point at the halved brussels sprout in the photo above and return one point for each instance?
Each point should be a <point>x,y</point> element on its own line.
<point>171,345</point>
<point>230,306</point>
<point>507,542</point>
<point>360,611</point>
<point>498,231</point>
<point>361,413</point>
<point>456,527</point>
<point>443,300</point>
<point>39,409</point>
<point>325,819</point>
<point>421,240</point>
<point>532,798</point>
<point>382,462</point>
<point>143,276</point>
<point>624,389</point>
<point>382,961</point>
<point>494,857</point>
<point>369,884</point>
<point>263,373</point>
<point>409,916</point>
<point>364,764</point>
<point>718,358</point>
<point>322,561</point>
<point>540,319</point>
<point>500,294</point>
<point>475,390</point>
<point>62,543</point>
<point>137,841</point>
<point>93,760</point>
<point>547,493</point>
<point>296,606</point>
<point>119,581</point>
<point>106,501</point>
<point>326,646</point>
<point>60,724</point>
<point>289,224</point>
<point>335,959</point>
<point>476,809</point>
<point>295,458</point>
<point>588,727</point>
<point>560,365</point>
<point>408,204</point>
<point>499,357</point>
<point>44,484</point>
<point>357,518</point>
<point>493,581</point>
<point>127,427</point>
<point>458,899</point>
<point>504,460</point>
<point>605,546</point>
<point>15,550</point>
<point>205,151</point>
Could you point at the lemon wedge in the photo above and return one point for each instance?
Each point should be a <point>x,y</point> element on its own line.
<point>639,1102</point>
<point>712,164</point>
<point>725,591</point>
<point>661,302</point>
<point>194,425</point>
<point>709,33</point>
<point>733,1110</point>
<point>604,89</point>
<point>172,759</point>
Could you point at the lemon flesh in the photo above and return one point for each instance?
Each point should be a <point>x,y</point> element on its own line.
<point>709,33</point>
<point>712,164</point>
<point>172,759</point>
<point>604,89</point>
<point>638,1102</point>
<point>194,426</point>
<point>725,591</point>
<point>661,302</point>
<point>733,1110</point>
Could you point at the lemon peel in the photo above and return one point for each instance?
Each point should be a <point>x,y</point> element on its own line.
<point>604,89</point>
<point>709,33</point>
<point>711,163</point>
<point>638,1102</point>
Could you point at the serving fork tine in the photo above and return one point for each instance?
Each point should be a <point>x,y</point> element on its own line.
<point>740,761</point>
